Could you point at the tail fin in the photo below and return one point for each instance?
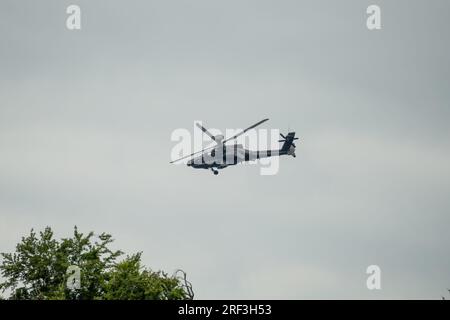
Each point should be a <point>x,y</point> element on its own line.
<point>288,141</point>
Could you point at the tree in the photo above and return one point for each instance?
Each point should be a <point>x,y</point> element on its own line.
<point>38,270</point>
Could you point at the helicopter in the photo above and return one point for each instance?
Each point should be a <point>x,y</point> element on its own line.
<point>221,155</point>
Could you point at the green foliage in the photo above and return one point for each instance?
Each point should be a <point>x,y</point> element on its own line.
<point>37,270</point>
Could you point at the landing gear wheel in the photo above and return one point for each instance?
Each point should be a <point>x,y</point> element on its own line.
<point>215,172</point>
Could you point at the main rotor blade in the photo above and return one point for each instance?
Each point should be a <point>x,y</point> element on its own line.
<point>192,154</point>
<point>244,131</point>
<point>205,131</point>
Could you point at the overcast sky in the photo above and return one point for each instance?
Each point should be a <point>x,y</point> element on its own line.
<point>86,118</point>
